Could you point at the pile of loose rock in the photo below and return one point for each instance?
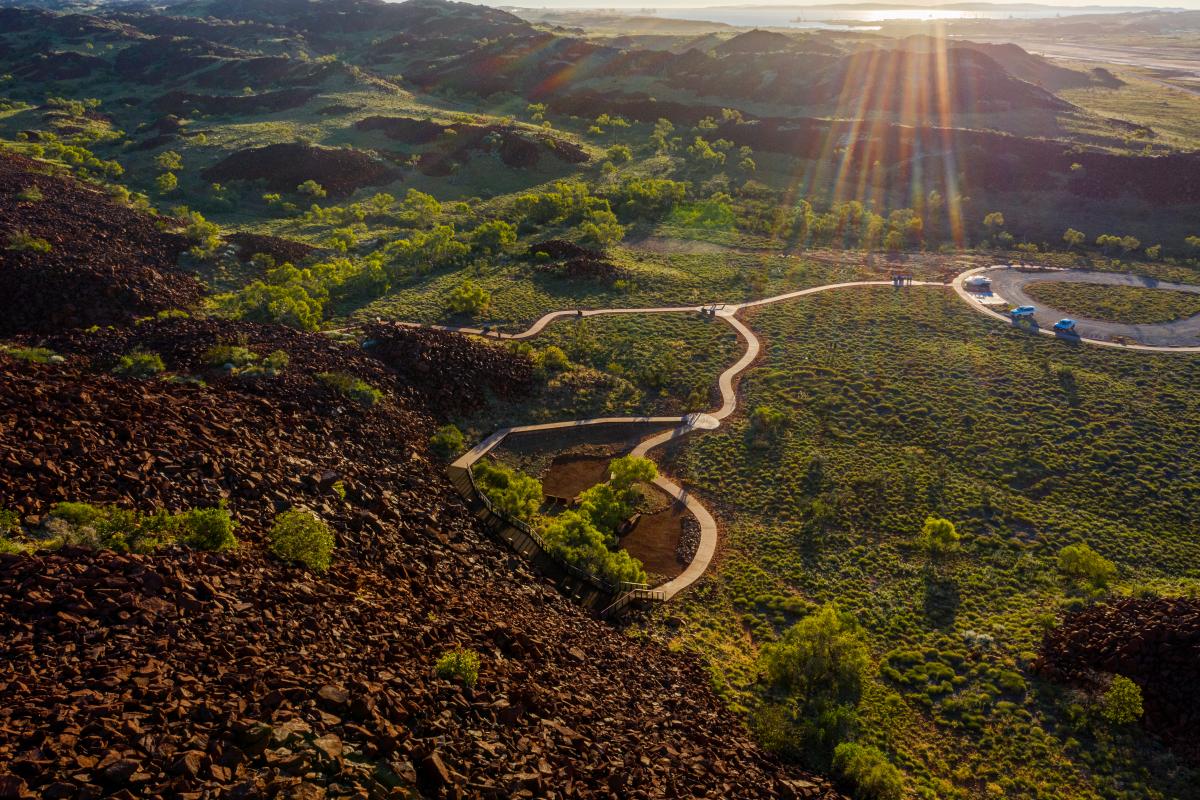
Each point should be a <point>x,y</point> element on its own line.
<point>1154,642</point>
<point>455,373</point>
<point>569,260</point>
<point>105,263</point>
<point>689,539</point>
<point>283,167</point>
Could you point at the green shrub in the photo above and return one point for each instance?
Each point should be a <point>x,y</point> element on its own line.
<point>140,364</point>
<point>447,442</point>
<point>221,354</point>
<point>468,298</point>
<point>938,537</point>
<point>574,537</point>
<point>354,388</point>
<point>207,529</point>
<point>128,530</point>
<point>553,359</point>
<point>301,536</point>
<point>459,664</point>
<point>31,194</point>
<point>867,773</point>
<point>37,355</point>
<point>822,654</point>
<point>1121,703</point>
<point>1082,564</point>
<point>512,493</point>
<point>270,366</point>
<point>767,424</point>
<point>619,154</point>
<point>10,521</point>
<point>25,242</point>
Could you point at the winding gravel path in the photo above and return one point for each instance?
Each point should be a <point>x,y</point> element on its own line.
<point>1005,279</point>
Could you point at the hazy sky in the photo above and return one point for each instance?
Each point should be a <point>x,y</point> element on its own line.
<point>663,4</point>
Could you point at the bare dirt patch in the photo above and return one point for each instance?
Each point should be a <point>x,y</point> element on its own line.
<point>568,475</point>
<point>654,540</point>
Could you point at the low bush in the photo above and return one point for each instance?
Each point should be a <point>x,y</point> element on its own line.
<point>139,364</point>
<point>1085,566</point>
<point>459,664</point>
<point>229,354</point>
<point>349,386</point>
<point>207,529</point>
<point>127,530</point>
<point>867,773</point>
<point>447,442</point>
<point>301,536</point>
<point>37,355</point>
<point>25,242</point>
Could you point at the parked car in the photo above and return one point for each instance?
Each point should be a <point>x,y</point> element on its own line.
<point>1022,311</point>
<point>1065,325</point>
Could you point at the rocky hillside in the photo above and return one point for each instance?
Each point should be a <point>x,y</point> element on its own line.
<point>70,255</point>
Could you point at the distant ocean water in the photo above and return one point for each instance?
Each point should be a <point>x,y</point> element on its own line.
<point>841,18</point>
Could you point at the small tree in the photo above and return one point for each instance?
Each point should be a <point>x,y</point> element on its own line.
<point>169,161</point>
<point>1083,564</point>
<point>629,470</point>
<point>311,188</point>
<point>512,493</point>
<point>600,228</point>
<point>166,183</point>
<point>1074,238</point>
<point>661,137</point>
<point>493,236</point>
<point>620,154</point>
<point>821,656</point>
<point>1121,703</point>
<point>938,538</point>
<point>468,298</point>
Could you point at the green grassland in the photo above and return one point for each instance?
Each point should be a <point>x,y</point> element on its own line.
<point>902,405</point>
<point>622,366</point>
<point>1129,304</point>
<point>1166,113</point>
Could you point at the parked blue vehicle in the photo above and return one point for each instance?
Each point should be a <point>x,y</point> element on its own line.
<point>1065,325</point>
<point>1022,311</point>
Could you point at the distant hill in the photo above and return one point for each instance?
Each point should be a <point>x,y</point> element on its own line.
<point>1017,62</point>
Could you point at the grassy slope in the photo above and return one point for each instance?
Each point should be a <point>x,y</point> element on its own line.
<point>911,404</point>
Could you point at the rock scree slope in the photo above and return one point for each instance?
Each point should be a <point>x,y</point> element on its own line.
<point>189,674</point>
<point>107,263</point>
